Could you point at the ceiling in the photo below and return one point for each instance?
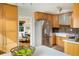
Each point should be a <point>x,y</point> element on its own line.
<point>27,9</point>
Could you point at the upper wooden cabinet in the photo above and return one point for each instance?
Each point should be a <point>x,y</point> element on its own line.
<point>40,16</point>
<point>55,21</point>
<point>49,18</point>
<point>75,16</point>
<point>65,18</point>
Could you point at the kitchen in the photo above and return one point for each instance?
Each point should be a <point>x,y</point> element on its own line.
<point>64,35</point>
<point>53,28</point>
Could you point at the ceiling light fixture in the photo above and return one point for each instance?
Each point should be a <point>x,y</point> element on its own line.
<point>59,9</point>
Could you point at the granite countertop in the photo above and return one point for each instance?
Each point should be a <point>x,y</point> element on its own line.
<point>71,41</point>
<point>61,34</point>
<point>44,51</point>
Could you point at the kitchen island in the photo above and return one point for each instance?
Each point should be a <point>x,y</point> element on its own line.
<point>43,51</point>
<point>71,47</point>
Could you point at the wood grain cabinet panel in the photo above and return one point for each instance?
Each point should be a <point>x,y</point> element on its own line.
<point>71,48</point>
<point>59,41</point>
<point>55,21</point>
<point>11,40</point>
<point>75,15</point>
<point>10,11</point>
<point>11,36</point>
<point>38,15</point>
<point>8,26</point>
<point>11,24</point>
<point>53,40</point>
<point>1,40</point>
<point>1,24</point>
<point>49,18</point>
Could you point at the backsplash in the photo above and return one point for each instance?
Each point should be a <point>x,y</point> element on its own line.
<point>67,29</point>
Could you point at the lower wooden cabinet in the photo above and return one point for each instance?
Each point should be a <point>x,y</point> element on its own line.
<point>53,40</point>
<point>71,48</point>
<point>59,41</point>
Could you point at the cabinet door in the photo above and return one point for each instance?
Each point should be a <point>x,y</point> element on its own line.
<point>10,11</point>
<point>60,42</point>
<point>11,24</point>
<point>12,40</point>
<point>53,40</point>
<point>75,15</point>
<point>55,21</point>
<point>11,36</point>
<point>71,48</point>
<point>44,16</point>
<point>49,18</point>
<point>65,19</point>
<point>38,15</point>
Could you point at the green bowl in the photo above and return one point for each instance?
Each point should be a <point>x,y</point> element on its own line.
<point>22,51</point>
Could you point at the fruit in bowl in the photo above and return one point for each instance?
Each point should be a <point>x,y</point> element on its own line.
<point>22,51</point>
<point>77,39</point>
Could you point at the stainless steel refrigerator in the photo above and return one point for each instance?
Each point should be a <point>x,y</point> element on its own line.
<point>42,33</point>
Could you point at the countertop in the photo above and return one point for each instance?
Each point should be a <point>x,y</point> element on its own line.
<point>62,34</point>
<point>44,51</point>
<point>71,41</point>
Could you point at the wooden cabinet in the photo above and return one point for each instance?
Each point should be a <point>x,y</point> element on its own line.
<point>1,40</point>
<point>65,18</point>
<point>1,18</point>
<point>55,21</point>
<point>59,41</point>
<point>71,48</point>
<point>40,16</point>
<point>49,18</point>
<point>11,35</point>
<point>11,24</point>
<point>75,15</point>
<point>53,40</point>
<point>8,26</point>
<point>10,11</point>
